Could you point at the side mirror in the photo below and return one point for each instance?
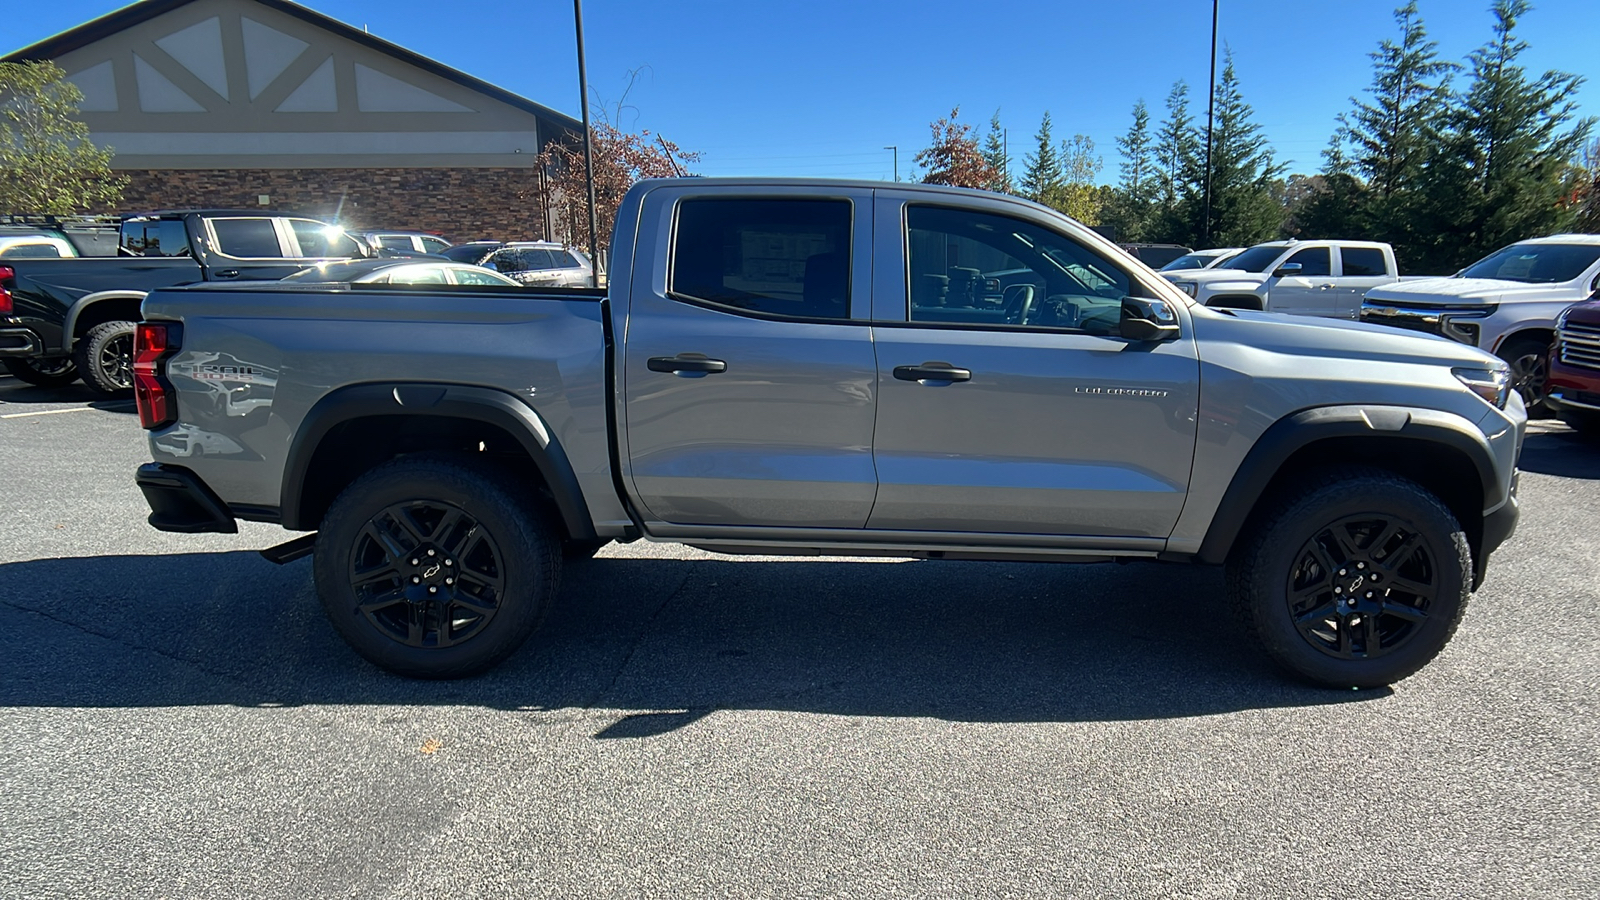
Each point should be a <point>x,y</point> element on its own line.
<point>1286,270</point>
<point>1145,319</point>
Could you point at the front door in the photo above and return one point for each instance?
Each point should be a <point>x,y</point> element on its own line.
<point>1012,406</point>
<point>749,384</point>
<point>1309,292</point>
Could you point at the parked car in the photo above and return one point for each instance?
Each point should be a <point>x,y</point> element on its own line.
<point>543,263</point>
<point>1156,255</point>
<point>755,381</point>
<point>400,270</point>
<point>1574,386</point>
<point>74,317</point>
<point>70,236</point>
<point>404,243</point>
<point>1307,278</point>
<point>473,252</point>
<point>35,246</point>
<point>1506,303</point>
<point>1202,259</point>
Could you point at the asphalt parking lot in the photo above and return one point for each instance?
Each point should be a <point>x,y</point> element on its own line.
<point>179,721</point>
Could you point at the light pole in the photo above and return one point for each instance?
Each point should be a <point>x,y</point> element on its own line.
<point>588,143</point>
<point>896,150</point>
<point>1211,104</point>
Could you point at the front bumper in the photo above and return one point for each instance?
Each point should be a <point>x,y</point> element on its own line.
<point>180,501</point>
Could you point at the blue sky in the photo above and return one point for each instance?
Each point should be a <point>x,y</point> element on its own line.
<point>818,88</point>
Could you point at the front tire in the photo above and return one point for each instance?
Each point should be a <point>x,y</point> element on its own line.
<point>45,373</point>
<point>431,568</point>
<point>104,358</point>
<point>1529,359</point>
<point>1357,579</point>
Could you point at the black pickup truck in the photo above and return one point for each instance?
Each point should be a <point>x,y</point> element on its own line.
<point>61,319</point>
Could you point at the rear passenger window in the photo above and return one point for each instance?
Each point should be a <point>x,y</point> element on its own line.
<point>1313,261</point>
<point>1362,260</point>
<point>776,256</point>
<point>247,238</point>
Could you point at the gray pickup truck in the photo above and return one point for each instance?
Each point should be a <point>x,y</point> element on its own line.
<point>792,367</point>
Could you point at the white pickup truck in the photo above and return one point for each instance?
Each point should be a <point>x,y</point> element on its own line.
<point>1506,303</point>
<point>1308,278</point>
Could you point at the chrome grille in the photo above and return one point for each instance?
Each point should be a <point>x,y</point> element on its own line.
<point>1580,345</point>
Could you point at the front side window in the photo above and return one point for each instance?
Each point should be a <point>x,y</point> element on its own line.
<point>776,256</point>
<point>417,275</point>
<point>395,241</point>
<point>472,276</point>
<point>1362,261</point>
<point>1313,261</point>
<point>974,268</point>
<point>434,245</point>
<point>319,240</point>
<point>565,260</point>
<point>247,238</point>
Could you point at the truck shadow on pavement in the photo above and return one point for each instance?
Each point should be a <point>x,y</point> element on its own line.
<point>1565,454</point>
<point>665,642</point>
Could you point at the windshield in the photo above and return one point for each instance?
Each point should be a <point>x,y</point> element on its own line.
<point>1191,261</point>
<point>1256,259</point>
<point>1535,263</point>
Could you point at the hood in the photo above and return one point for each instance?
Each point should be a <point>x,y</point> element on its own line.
<point>1337,340</point>
<point>1449,290</point>
<point>1206,276</point>
<point>1587,313</point>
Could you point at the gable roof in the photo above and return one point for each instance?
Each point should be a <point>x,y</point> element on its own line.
<point>144,10</point>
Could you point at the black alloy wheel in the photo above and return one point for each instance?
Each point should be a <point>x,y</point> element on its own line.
<point>1362,587</point>
<point>427,574</point>
<point>437,565</point>
<point>47,373</point>
<point>104,357</point>
<point>114,362</point>
<point>1529,359</point>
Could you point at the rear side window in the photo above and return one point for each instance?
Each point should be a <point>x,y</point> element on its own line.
<point>155,237</point>
<point>776,256</point>
<point>247,238</point>
<point>1362,260</point>
<point>1313,261</point>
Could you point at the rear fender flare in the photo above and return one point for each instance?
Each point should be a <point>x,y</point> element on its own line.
<point>1295,432</point>
<point>82,304</point>
<point>487,405</point>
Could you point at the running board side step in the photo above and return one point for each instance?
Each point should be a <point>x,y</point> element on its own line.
<point>292,550</point>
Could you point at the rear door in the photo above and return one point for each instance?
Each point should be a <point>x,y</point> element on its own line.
<point>1361,270</point>
<point>1020,412</point>
<point>749,372</point>
<point>246,248</point>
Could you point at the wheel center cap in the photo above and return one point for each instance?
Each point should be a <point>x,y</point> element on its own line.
<point>1355,584</point>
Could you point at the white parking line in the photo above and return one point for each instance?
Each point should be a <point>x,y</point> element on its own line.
<point>46,412</point>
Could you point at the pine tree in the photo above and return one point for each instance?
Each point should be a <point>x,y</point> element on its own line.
<point>1505,150</point>
<point>994,151</point>
<point>1410,89</point>
<point>1243,210</point>
<point>1042,178</point>
<point>1130,204</point>
<point>1177,147</point>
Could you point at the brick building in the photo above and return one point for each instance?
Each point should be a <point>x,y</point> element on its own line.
<point>245,103</point>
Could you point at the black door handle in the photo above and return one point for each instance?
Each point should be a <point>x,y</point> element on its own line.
<point>932,371</point>
<point>687,366</point>
<point>227,273</point>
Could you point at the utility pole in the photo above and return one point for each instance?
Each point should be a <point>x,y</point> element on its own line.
<point>588,144</point>
<point>1211,105</point>
<point>896,150</point>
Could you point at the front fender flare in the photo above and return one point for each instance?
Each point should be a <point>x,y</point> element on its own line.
<point>487,405</point>
<point>1297,431</point>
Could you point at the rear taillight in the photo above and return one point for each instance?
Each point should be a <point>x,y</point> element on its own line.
<point>8,279</point>
<point>153,343</point>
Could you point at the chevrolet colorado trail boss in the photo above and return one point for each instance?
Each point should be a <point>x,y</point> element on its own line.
<point>796,367</point>
<point>62,319</point>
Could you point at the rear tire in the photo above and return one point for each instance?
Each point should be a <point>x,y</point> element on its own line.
<point>104,358</point>
<point>45,373</point>
<point>432,568</point>
<point>1356,578</point>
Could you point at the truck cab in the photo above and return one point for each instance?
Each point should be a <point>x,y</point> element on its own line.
<point>1306,278</point>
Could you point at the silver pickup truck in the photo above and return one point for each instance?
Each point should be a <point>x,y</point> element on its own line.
<point>793,367</point>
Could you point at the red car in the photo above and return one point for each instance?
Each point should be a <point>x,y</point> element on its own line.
<point>1575,367</point>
